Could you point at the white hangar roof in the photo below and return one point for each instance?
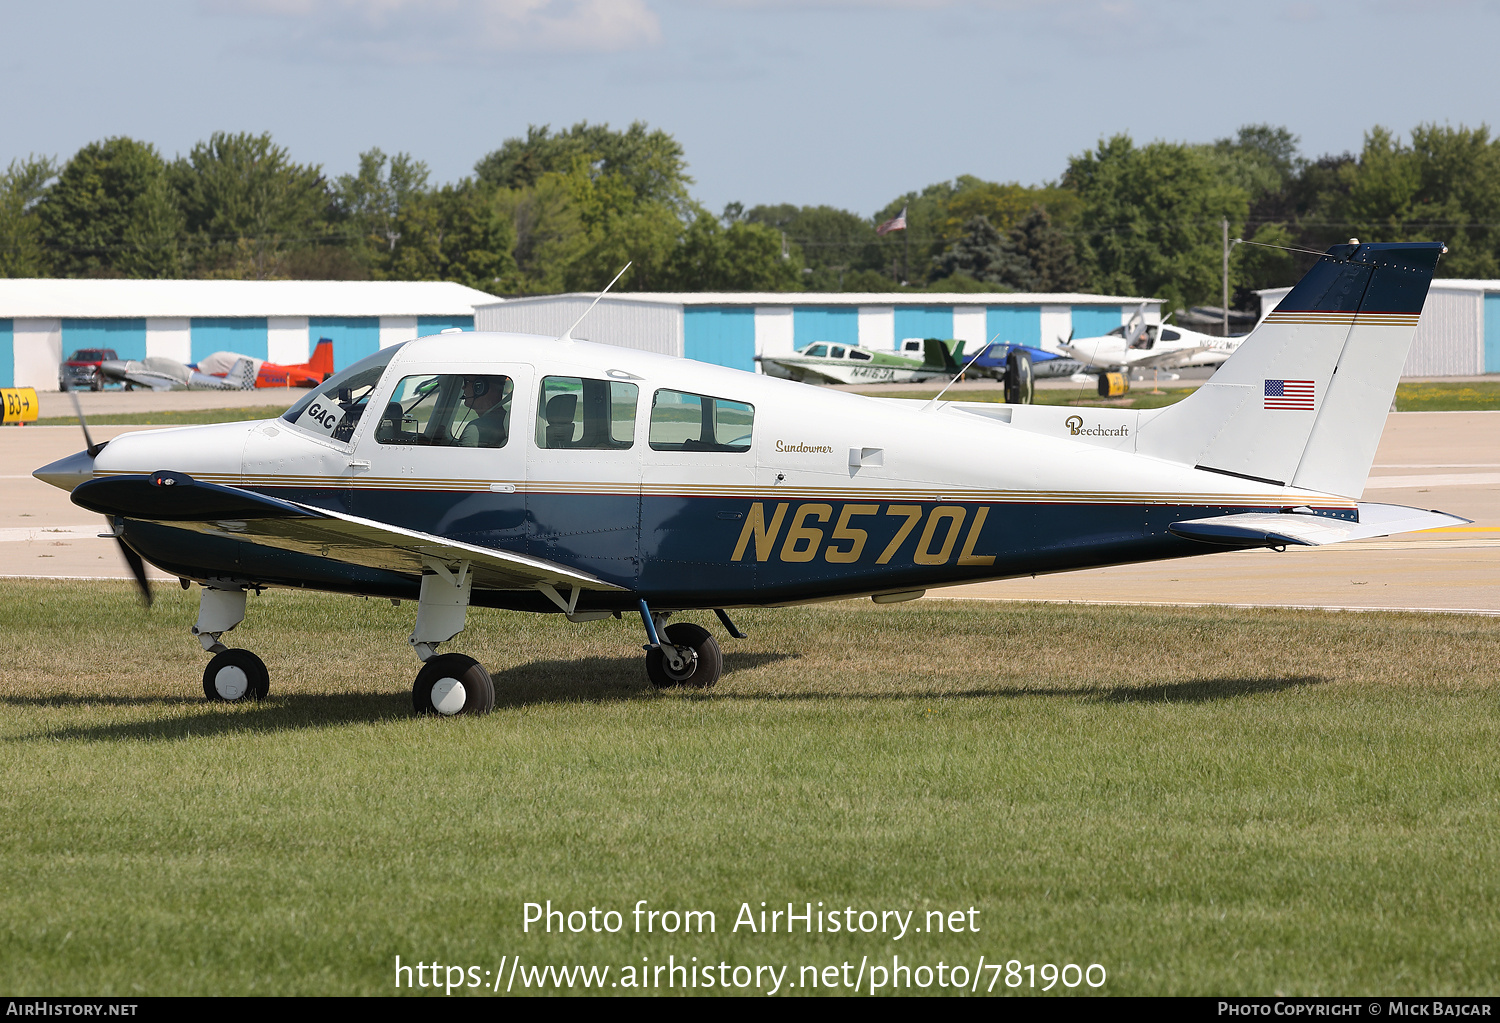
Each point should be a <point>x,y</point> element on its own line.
<point>855,298</point>
<point>22,298</point>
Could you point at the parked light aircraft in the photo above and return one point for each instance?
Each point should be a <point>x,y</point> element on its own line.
<point>160,373</point>
<point>1138,346</point>
<point>552,475</point>
<point>823,362</point>
<point>220,371</point>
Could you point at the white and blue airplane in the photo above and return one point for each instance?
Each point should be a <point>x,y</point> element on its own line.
<point>551,475</point>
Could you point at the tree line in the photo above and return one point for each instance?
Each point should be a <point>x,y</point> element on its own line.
<point>562,211</point>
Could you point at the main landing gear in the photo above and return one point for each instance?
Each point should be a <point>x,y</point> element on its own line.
<point>448,684</point>
<point>232,675</point>
<point>689,657</point>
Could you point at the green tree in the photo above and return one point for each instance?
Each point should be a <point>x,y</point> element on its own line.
<point>247,206</point>
<point>1445,185</point>
<point>452,233</point>
<point>368,203</point>
<point>984,255</point>
<point>1049,256</point>
<point>111,214</point>
<point>1150,216</point>
<point>22,187</point>
<point>741,257</point>
<point>833,244</point>
<point>649,162</point>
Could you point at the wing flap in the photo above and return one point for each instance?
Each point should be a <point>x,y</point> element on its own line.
<point>1305,529</point>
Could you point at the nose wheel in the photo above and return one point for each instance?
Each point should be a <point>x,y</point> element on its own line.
<point>451,684</point>
<point>234,676</point>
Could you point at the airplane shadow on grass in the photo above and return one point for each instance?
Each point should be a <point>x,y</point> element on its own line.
<point>589,680</point>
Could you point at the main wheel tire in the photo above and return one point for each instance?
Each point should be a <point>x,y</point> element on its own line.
<point>700,672</point>
<point>451,684</point>
<point>1020,382</point>
<point>236,675</point>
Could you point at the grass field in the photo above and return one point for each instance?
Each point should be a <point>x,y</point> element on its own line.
<point>1203,801</point>
<point>175,417</point>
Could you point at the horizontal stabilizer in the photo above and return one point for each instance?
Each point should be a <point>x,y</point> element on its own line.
<point>1307,529</point>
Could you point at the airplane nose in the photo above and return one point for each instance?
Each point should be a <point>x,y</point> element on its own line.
<point>67,473</point>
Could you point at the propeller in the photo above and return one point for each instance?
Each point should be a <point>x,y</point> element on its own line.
<point>133,560</point>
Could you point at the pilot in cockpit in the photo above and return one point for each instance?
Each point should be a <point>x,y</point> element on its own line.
<point>484,395</point>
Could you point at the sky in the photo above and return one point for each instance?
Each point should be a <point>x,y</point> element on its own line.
<point>845,102</point>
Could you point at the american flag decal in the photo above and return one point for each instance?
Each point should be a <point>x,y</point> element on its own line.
<point>1289,394</point>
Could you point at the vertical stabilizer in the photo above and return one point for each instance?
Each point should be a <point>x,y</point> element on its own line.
<point>1303,400</point>
<point>321,362</point>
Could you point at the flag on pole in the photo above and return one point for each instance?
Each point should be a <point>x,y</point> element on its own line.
<point>896,223</point>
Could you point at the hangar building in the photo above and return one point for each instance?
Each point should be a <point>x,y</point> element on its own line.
<point>43,320</point>
<point>1458,334</point>
<point>731,328</point>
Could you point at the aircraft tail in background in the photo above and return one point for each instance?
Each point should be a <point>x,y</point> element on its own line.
<point>321,363</point>
<point>1303,400</point>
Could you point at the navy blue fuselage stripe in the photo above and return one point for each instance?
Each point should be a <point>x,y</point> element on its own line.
<point>681,552</point>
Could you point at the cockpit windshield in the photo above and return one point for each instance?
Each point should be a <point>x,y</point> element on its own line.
<point>333,410</point>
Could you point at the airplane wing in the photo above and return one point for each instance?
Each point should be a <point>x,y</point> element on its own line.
<point>1305,529</point>
<point>1087,358</point>
<point>155,381</point>
<point>176,499</point>
<point>1164,359</point>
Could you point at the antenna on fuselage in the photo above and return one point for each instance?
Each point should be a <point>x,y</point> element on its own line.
<point>935,397</point>
<point>567,335</point>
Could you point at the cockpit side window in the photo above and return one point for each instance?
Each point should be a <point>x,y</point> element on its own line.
<point>334,409</point>
<point>579,413</point>
<point>696,422</point>
<point>817,352</point>
<point>836,353</point>
<point>470,410</point>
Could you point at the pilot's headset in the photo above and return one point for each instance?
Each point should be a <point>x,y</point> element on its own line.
<point>481,385</point>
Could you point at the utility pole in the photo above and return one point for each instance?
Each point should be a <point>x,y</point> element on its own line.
<point>1225,225</point>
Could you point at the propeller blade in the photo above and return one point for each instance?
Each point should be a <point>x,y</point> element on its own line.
<point>93,448</point>
<point>137,569</point>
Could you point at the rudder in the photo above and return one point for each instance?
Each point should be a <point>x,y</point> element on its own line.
<point>1302,401</point>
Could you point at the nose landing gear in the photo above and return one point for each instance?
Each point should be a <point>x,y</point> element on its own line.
<point>232,675</point>
<point>235,675</point>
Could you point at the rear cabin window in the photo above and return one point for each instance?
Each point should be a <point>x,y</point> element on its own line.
<point>696,422</point>
<point>448,410</point>
<point>855,353</point>
<point>584,414</point>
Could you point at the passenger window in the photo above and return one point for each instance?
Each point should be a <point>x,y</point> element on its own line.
<point>579,413</point>
<point>1170,335</point>
<point>855,353</point>
<point>448,410</point>
<point>837,353</point>
<point>817,351</point>
<point>696,422</point>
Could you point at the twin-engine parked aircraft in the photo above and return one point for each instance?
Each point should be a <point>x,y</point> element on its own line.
<point>534,474</point>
